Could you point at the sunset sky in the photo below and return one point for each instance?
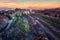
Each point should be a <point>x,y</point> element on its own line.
<point>29,3</point>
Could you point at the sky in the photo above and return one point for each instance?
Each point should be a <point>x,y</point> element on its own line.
<point>29,3</point>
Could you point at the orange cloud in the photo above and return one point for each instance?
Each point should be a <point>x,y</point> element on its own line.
<point>15,5</point>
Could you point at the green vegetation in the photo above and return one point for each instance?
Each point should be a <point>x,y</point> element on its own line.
<point>20,23</point>
<point>26,27</point>
<point>52,20</point>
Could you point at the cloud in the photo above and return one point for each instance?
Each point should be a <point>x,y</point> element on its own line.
<point>29,3</point>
